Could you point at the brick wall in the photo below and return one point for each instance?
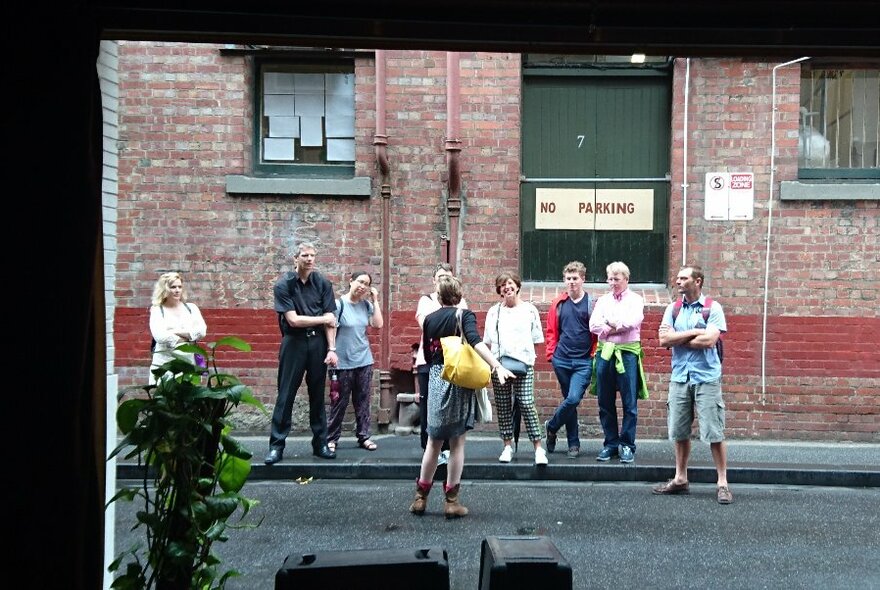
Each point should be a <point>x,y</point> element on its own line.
<point>185,123</point>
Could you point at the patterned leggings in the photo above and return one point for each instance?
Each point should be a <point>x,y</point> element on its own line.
<point>356,384</point>
<point>523,390</point>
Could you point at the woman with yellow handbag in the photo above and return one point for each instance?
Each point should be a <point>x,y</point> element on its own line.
<point>450,407</point>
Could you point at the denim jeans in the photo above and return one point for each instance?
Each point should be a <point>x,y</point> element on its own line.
<point>574,378</point>
<point>608,383</point>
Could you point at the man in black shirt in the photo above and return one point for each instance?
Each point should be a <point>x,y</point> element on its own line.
<point>305,304</point>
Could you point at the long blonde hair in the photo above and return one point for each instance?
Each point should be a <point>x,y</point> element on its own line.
<point>162,289</point>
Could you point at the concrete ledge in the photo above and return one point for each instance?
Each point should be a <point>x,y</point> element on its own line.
<point>559,471</point>
<point>358,186</point>
<point>818,191</point>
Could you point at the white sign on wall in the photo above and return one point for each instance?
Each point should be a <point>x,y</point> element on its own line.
<point>594,209</point>
<point>729,196</point>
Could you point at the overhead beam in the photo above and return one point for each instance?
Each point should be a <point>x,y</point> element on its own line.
<point>685,27</point>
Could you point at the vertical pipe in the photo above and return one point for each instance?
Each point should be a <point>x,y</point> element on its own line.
<point>684,167</point>
<point>769,226</point>
<point>380,141</point>
<point>453,150</point>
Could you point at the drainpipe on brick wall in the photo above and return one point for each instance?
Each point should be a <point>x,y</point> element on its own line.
<point>380,141</point>
<point>453,150</point>
<point>769,226</point>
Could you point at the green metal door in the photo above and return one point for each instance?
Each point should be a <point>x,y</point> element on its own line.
<point>605,141</point>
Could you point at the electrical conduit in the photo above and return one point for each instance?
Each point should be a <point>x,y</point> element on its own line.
<point>769,227</point>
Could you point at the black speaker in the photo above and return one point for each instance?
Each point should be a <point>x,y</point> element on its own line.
<point>508,563</point>
<point>390,569</point>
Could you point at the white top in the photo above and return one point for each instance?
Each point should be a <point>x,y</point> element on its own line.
<point>518,329</point>
<point>166,322</point>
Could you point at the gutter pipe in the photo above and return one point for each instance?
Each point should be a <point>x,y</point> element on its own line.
<point>453,150</point>
<point>380,141</point>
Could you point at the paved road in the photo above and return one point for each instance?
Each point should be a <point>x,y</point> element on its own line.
<point>614,535</point>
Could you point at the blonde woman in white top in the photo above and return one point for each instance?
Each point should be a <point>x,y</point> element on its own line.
<point>513,327</point>
<point>173,321</point>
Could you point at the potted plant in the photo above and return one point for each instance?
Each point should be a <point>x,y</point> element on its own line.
<point>194,470</point>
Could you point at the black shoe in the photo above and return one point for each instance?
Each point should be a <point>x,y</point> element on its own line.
<point>324,452</point>
<point>551,437</point>
<point>274,456</point>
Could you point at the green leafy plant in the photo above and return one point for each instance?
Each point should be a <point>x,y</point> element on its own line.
<point>194,471</point>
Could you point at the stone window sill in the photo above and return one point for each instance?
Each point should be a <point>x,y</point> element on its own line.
<point>827,191</point>
<point>358,186</point>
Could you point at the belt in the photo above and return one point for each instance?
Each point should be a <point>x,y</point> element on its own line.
<point>305,332</point>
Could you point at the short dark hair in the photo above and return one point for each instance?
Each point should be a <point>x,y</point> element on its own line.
<point>449,290</point>
<point>502,279</point>
<point>358,273</point>
<point>696,273</point>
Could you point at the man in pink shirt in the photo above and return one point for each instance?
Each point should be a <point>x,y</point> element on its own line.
<point>616,321</point>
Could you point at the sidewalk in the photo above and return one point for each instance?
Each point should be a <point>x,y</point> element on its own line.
<point>399,456</point>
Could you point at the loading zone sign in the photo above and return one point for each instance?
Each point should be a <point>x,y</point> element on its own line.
<point>730,196</point>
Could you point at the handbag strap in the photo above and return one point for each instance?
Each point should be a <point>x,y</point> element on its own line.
<point>460,329</point>
<point>497,331</point>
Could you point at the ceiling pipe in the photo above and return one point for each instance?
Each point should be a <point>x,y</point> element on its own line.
<point>453,151</point>
<point>769,228</point>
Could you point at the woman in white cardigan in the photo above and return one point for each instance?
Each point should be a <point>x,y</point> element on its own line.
<point>173,321</point>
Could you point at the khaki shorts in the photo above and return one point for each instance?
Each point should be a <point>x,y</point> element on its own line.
<point>706,397</point>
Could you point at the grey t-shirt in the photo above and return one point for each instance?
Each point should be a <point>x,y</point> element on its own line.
<point>352,344</point>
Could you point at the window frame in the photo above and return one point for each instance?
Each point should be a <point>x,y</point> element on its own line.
<point>311,64</point>
<point>833,174</point>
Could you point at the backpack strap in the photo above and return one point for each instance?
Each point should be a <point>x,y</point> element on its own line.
<point>676,308</point>
<point>707,309</point>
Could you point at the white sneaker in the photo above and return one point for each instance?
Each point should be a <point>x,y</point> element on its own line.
<point>444,458</point>
<point>506,454</point>
<point>541,456</point>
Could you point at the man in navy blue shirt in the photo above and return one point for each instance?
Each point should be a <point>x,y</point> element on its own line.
<point>306,305</point>
<point>570,346</point>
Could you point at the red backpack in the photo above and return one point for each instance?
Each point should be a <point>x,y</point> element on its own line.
<point>707,309</point>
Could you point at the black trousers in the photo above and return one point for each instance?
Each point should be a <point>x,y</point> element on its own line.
<point>301,356</point>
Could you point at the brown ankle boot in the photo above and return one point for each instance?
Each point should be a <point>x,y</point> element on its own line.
<point>421,502</point>
<point>453,508</point>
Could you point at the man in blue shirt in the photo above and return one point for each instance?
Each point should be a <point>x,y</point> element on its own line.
<point>695,383</point>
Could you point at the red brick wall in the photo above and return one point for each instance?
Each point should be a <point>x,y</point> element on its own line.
<point>185,123</point>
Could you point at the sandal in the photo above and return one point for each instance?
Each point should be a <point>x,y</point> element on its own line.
<point>331,444</point>
<point>368,445</point>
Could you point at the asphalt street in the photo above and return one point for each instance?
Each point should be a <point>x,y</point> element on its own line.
<point>611,534</point>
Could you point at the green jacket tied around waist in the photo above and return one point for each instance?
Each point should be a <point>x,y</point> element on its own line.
<point>610,349</point>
